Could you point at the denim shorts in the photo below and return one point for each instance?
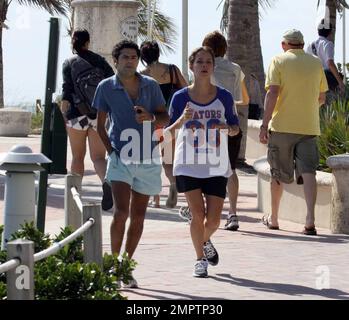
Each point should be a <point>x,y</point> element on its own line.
<point>142,178</point>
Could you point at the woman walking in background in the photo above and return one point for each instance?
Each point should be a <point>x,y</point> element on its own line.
<point>170,80</point>
<point>81,121</point>
<point>199,112</point>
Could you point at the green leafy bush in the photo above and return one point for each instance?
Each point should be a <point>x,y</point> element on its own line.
<point>65,276</point>
<point>37,120</point>
<point>334,122</point>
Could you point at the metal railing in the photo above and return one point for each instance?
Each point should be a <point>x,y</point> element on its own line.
<point>85,219</point>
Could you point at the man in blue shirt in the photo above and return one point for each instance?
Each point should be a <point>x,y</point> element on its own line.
<point>134,104</point>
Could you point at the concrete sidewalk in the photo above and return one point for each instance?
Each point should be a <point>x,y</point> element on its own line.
<point>255,263</point>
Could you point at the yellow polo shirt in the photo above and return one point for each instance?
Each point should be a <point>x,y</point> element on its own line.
<point>301,78</point>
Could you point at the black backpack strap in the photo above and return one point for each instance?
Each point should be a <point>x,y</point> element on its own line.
<point>170,66</point>
<point>313,48</point>
<point>173,70</point>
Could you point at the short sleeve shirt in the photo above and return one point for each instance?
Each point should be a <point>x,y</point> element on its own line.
<point>201,151</point>
<point>324,50</point>
<point>301,79</point>
<point>124,131</point>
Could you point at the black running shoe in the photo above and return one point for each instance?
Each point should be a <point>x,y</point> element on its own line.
<point>107,200</point>
<point>211,253</point>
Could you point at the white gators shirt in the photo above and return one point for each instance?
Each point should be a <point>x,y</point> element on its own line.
<point>202,151</point>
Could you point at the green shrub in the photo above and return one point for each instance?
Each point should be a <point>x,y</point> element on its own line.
<point>65,276</point>
<point>334,122</point>
<point>37,120</point>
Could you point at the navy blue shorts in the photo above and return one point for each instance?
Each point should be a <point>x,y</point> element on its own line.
<point>215,186</point>
<point>234,144</point>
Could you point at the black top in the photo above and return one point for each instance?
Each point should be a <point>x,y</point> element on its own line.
<point>68,86</point>
<point>166,89</point>
<point>169,88</point>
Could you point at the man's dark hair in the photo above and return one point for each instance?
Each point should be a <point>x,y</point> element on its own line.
<point>323,29</point>
<point>216,41</point>
<point>150,52</point>
<point>124,44</point>
<point>79,39</point>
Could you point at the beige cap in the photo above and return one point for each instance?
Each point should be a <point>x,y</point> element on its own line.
<point>293,36</point>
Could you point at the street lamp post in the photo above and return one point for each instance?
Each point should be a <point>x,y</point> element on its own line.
<point>344,46</point>
<point>185,39</point>
<point>149,20</point>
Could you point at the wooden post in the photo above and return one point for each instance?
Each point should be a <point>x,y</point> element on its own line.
<point>72,213</point>
<point>20,280</point>
<point>93,236</point>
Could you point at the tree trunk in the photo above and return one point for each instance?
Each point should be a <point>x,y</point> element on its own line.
<point>331,4</point>
<point>3,13</point>
<point>243,39</point>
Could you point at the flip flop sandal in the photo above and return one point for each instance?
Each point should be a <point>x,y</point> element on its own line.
<point>265,221</point>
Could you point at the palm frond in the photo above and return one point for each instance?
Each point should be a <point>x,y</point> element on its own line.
<point>51,6</point>
<point>164,29</point>
<point>340,4</point>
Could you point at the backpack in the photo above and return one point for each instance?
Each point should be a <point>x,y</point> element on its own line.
<point>86,78</point>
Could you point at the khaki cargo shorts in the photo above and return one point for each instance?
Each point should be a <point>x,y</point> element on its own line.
<point>290,153</point>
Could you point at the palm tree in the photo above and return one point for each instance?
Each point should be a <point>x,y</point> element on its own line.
<point>240,22</point>
<point>52,6</point>
<point>163,31</point>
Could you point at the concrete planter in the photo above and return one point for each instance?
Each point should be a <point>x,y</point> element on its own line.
<point>254,149</point>
<point>14,122</point>
<point>340,195</point>
<point>292,206</point>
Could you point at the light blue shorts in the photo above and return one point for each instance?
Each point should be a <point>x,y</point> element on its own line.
<point>143,178</point>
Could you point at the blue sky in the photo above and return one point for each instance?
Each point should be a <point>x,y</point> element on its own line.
<point>25,44</point>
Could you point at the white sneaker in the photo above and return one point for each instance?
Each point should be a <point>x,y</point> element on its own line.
<point>132,283</point>
<point>232,222</point>
<point>200,268</point>
<point>185,214</point>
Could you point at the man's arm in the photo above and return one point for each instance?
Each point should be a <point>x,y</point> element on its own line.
<point>334,70</point>
<point>162,118</point>
<point>245,98</point>
<point>102,132</point>
<point>269,106</point>
<point>322,98</point>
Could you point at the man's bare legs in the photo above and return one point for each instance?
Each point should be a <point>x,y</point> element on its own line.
<point>233,191</point>
<point>136,210</point>
<point>310,193</point>
<point>121,195</point>
<point>276,189</point>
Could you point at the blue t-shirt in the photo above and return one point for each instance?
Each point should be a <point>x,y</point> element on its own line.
<point>125,134</point>
<point>202,151</point>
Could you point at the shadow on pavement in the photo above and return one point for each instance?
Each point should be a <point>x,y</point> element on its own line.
<point>176,295</point>
<point>319,238</point>
<point>281,288</point>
